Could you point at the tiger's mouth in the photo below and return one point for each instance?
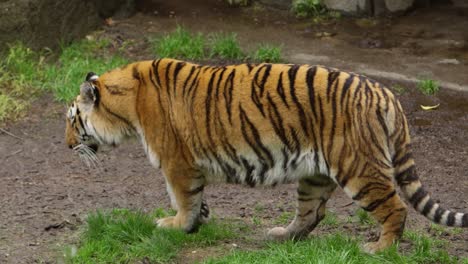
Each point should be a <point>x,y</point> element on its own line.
<point>87,153</point>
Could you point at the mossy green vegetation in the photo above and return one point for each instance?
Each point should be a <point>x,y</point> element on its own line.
<point>268,53</point>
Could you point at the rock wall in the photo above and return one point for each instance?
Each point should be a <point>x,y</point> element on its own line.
<point>45,23</point>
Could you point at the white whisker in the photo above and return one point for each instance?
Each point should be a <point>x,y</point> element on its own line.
<point>88,156</point>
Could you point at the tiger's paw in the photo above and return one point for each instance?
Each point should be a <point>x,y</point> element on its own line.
<point>167,222</point>
<point>278,234</point>
<point>374,247</point>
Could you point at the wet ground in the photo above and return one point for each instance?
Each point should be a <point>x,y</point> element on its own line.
<point>45,192</point>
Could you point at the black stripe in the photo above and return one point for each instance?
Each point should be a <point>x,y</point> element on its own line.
<point>156,72</point>
<point>307,213</point>
<point>332,136</point>
<point>310,78</point>
<point>218,84</point>
<point>208,105</point>
<point>332,76</point>
<point>366,189</point>
<point>292,74</point>
<point>438,214</point>
<point>177,69</point>
<point>184,86</point>
<point>135,73</point>
<point>316,182</point>
<point>196,190</point>
<point>249,179</point>
<point>427,208</point>
<point>451,219</point>
<point>228,94</point>
<point>417,197</point>
<point>402,160</point>
<point>391,213</point>
<point>277,122</point>
<point>407,176</point>
<point>257,146</point>
<point>266,73</point>
<point>347,84</point>
<point>195,81</point>
<point>297,146</point>
<point>372,206</point>
<point>280,90</point>
<point>168,68</point>
<point>255,98</point>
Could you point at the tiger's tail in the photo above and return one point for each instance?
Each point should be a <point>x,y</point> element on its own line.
<point>408,180</point>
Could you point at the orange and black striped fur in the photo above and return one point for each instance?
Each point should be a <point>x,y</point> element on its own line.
<point>262,125</point>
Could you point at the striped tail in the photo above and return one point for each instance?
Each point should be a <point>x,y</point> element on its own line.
<point>408,180</point>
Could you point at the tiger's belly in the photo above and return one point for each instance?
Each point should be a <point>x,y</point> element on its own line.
<point>252,170</point>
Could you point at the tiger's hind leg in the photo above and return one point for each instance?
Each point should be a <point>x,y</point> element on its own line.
<point>313,193</point>
<point>375,193</point>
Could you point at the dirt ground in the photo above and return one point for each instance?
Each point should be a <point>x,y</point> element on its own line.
<point>45,192</point>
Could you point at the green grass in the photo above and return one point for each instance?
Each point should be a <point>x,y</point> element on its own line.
<point>24,73</point>
<point>268,53</point>
<point>364,218</point>
<point>123,236</point>
<point>180,44</point>
<point>308,8</point>
<point>20,78</point>
<point>226,46</point>
<point>337,248</point>
<point>74,62</point>
<point>331,220</point>
<point>428,86</point>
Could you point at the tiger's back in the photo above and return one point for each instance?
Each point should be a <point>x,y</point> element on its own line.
<point>264,125</point>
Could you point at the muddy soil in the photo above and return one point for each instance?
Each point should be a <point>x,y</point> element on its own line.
<point>45,192</point>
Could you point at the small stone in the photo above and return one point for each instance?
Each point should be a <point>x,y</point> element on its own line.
<point>449,61</point>
<point>193,252</point>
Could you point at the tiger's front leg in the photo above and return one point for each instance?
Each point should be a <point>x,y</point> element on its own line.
<point>186,189</point>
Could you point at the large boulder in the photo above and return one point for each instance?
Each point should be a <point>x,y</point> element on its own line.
<point>45,23</point>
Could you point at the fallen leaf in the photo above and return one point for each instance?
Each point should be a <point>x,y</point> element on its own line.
<point>429,107</point>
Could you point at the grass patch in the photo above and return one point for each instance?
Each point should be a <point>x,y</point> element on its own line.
<point>337,248</point>
<point>24,73</point>
<point>331,220</point>
<point>308,8</point>
<point>226,46</point>
<point>268,53</point>
<point>428,86</point>
<point>181,44</point>
<point>20,80</point>
<point>123,236</point>
<point>364,218</point>
<point>74,62</point>
<point>284,218</point>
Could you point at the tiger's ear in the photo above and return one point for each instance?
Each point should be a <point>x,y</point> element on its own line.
<point>89,93</point>
<point>91,77</point>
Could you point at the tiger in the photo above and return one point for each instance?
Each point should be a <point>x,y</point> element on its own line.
<point>260,125</point>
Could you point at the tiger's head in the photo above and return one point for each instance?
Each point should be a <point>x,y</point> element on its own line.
<point>95,119</point>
